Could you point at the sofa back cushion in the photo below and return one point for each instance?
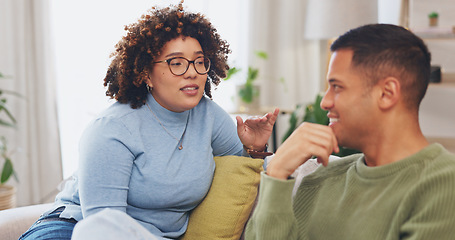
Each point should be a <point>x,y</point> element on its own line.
<point>223,213</point>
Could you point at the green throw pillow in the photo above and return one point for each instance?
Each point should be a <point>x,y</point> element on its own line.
<point>228,204</point>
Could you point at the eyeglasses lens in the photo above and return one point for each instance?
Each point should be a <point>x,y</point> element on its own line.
<point>179,66</point>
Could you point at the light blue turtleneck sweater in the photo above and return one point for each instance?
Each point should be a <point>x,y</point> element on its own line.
<point>129,162</point>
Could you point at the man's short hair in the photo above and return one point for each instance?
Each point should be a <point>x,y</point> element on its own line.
<point>385,50</point>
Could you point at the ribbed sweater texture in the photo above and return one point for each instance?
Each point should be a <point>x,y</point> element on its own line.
<point>413,198</point>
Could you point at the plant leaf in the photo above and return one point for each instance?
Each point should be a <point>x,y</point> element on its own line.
<point>252,74</point>
<point>8,113</point>
<point>246,93</point>
<point>7,170</point>
<point>315,114</point>
<point>262,54</point>
<point>7,124</point>
<point>231,72</point>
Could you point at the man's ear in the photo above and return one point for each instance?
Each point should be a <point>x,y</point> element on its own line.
<point>390,92</point>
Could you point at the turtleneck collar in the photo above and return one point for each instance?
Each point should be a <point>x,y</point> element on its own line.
<point>165,116</point>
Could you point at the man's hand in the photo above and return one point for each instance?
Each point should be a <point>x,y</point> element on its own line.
<point>307,140</point>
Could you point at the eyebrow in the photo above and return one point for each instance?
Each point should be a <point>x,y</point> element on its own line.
<point>174,54</point>
<point>332,80</point>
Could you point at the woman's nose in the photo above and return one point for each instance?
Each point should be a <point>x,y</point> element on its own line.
<point>191,71</point>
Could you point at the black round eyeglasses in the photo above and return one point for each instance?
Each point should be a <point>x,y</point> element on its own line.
<point>179,65</point>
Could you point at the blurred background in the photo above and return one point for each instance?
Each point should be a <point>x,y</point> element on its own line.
<point>55,53</point>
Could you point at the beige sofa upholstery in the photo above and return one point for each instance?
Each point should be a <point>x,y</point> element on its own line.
<point>14,222</point>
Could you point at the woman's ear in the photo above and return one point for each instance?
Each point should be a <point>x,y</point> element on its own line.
<point>390,92</point>
<point>148,82</point>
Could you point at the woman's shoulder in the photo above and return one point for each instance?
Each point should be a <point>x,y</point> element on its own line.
<point>116,116</point>
<point>116,110</point>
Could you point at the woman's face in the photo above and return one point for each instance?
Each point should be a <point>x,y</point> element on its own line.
<point>177,93</point>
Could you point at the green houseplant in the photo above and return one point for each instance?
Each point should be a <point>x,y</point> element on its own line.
<point>433,17</point>
<point>6,120</point>
<point>248,92</point>
<point>312,113</point>
<point>7,192</point>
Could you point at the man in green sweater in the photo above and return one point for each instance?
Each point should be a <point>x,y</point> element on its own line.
<point>401,187</point>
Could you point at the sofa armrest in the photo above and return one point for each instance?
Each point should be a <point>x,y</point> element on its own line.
<point>14,222</point>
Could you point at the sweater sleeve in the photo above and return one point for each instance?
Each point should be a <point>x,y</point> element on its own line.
<point>273,217</point>
<point>432,215</point>
<point>225,140</point>
<point>105,166</point>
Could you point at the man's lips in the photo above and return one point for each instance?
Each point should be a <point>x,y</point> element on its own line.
<point>332,119</point>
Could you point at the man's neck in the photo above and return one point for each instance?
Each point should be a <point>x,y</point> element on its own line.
<point>395,143</point>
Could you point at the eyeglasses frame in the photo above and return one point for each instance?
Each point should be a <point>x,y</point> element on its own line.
<point>168,61</point>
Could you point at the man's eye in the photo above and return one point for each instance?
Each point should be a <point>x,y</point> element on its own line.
<point>336,87</point>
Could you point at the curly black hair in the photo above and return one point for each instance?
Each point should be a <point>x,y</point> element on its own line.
<point>128,72</point>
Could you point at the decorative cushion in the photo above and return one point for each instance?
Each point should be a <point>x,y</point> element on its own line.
<point>226,208</point>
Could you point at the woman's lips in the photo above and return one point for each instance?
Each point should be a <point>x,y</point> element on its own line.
<point>190,90</point>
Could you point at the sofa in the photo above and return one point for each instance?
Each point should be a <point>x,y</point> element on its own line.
<point>223,213</point>
<point>14,222</point>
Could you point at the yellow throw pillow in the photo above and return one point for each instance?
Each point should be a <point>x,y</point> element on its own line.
<point>228,204</point>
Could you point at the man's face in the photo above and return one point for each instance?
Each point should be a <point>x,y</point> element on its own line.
<point>349,102</point>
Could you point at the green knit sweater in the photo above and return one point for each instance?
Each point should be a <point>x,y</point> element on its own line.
<point>410,199</point>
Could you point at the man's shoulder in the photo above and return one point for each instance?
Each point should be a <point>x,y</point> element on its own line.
<point>439,161</point>
<point>337,166</point>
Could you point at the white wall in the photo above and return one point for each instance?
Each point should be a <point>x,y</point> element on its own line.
<point>437,112</point>
<point>389,11</point>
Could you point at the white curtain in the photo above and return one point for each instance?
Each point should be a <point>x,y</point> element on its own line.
<point>404,14</point>
<point>295,68</point>
<point>26,56</point>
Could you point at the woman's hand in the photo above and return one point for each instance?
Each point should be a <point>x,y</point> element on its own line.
<point>255,132</point>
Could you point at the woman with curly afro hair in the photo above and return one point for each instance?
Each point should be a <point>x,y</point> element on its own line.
<point>148,158</point>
